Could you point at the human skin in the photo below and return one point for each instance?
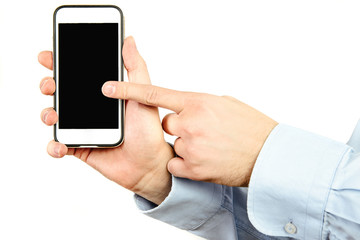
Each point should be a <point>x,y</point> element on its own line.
<point>140,163</point>
<point>219,137</point>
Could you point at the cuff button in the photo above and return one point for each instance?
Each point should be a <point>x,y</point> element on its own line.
<point>290,228</point>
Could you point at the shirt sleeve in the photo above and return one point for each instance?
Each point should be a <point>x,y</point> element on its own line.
<point>342,212</point>
<point>208,210</point>
<point>305,186</point>
<point>196,207</point>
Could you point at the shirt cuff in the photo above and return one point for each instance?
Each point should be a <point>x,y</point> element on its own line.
<point>290,182</point>
<point>188,205</point>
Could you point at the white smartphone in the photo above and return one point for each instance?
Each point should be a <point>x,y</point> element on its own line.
<point>87,52</point>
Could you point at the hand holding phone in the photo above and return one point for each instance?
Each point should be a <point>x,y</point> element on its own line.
<point>139,164</point>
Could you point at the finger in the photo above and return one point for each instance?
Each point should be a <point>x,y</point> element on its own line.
<point>45,58</point>
<point>179,148</point>
<point>71,151</point>
<point>170,124</point>
<point>177,167</point>
<point>56,149</point>
<point>134,63</point>
<point>47,86</point>
<point>49,116</point>
<point>146,94</point>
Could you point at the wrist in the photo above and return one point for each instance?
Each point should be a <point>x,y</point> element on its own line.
<point>155,186</point>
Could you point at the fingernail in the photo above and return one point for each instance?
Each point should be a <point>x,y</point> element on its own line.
<point>108,89</point>
<point>43,83</point>
<point>57,151</point>
<point>45,116</point>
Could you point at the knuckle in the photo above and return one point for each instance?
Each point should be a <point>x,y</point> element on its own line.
<point>200,105</point>
<point>197,157</point>
<point>230,98</point>
<point>191,129</point>
<point>197,173</point>
<point>143,62</point>
<point>151,96</point>
<point>191,149</point>
<point>124,91</point>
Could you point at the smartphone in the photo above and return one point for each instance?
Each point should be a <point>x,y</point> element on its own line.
<point>87,52</point>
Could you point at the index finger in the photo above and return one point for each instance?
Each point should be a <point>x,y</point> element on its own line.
<point>146,94</point>
<point>45,58</point>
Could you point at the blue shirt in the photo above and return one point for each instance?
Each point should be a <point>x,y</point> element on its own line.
<point>303,186</point>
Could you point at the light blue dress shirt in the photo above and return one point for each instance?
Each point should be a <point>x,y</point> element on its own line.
<point>303,186</point>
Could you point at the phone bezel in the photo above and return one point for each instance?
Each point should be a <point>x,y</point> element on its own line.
<point>89,14</point>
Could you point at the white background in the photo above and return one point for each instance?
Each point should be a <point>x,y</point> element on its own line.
<point>297,61</point>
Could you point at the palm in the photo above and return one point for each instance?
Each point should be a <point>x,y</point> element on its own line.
<point>143,140</point>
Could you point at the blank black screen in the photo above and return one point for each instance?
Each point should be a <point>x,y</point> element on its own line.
<point>88,57</point>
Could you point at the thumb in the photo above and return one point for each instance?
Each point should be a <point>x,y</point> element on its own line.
<point>134,63</point>
<point>177,167</point>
